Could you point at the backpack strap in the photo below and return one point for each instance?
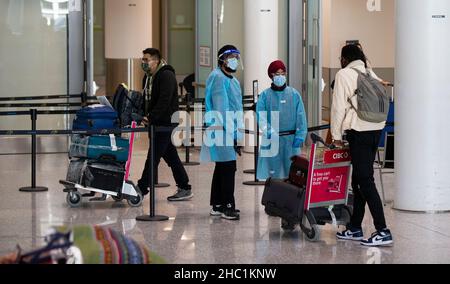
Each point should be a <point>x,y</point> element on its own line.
<point>356,91</point>
<point>361,73</point>
<point>131,101</point>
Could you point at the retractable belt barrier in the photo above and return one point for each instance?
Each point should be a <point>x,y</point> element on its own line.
<point>39,112</point>
<point>188,147</point>
<point>256,181</point>
<point>83,96</point>
<point>41,105</point>
<point>152,129</point>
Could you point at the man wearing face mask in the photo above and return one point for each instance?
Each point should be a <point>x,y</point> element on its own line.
<point>224,110</point>
<point>161,102</point>
<point>275,162</point>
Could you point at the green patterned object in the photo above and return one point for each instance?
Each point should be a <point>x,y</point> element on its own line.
<point>100,245</point>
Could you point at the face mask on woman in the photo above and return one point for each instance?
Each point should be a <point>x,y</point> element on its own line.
<point>233,64</point>
<point>279,80</point>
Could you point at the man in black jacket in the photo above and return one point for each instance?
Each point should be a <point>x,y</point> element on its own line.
<point>161,102</point>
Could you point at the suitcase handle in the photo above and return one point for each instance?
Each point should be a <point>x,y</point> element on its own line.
<point>108,158</point>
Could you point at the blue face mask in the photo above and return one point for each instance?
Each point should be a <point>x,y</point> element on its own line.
<point>233,64</point>
<point>280,80</point>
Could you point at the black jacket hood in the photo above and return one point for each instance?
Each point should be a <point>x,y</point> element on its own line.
<point>166,68</point>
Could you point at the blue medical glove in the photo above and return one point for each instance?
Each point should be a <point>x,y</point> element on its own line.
<point>297,143</point>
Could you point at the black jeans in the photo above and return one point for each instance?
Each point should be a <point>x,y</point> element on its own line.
<point>166,150</point>
<point>363,148</point>
<point>223,184</point>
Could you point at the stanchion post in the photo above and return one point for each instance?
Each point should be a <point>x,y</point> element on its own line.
<point>255,94</point>
<point>188,147</point>
<point>33,188</point>
<point>153,217</point>
<point>256,182</point>
<point>257,152</point>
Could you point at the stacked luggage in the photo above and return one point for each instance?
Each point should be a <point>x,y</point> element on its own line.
<point>101,163</point>
<point>97,161</point>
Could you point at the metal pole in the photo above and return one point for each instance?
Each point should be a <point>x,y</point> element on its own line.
<point>152,217</point>
<point>188,147</point>
<point>33,188</point>
<point>255,182</point>
<point>255,95</point>
<point>152,172</point>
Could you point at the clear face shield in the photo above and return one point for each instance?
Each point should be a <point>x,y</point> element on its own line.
<point>232,59</point>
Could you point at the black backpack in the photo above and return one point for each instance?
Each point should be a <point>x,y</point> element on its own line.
<point>129,105</point>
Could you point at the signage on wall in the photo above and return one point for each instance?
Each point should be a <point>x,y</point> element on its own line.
<point>374,5</point>
<point>205,56</point>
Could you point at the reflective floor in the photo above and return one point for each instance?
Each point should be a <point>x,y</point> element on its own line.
<point>191,236</point>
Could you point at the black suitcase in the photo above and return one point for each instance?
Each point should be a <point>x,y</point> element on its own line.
<point>108,177</point>
<point>284,199</point>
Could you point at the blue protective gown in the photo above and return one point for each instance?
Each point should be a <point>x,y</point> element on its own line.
<point>224,110</point>
<point>292,116</point>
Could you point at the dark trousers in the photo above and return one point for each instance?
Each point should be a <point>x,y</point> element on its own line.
<point>223,184</point>
<point>363,148</point>
<point>166,150</point>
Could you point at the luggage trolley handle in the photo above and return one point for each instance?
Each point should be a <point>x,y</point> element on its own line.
<point>317,139</point>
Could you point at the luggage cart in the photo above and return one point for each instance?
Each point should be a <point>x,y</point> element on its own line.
<point>327,195</point>
<point>129,191</point>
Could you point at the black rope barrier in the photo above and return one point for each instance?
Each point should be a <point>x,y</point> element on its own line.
<point>51,97</point>
<point>39,112</point>
<point>256,181</point>
<point>153,170</point>
<point>41,105</point>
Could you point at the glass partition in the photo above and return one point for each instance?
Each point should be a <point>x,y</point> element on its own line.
<point>33,57</point>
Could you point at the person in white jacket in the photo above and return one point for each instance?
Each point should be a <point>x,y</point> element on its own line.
<point>363,138</point>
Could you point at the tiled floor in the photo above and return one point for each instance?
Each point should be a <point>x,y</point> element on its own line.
<point>191,235</point>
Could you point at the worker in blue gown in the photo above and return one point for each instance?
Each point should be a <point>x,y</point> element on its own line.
<point>224,119</point>
<point>280,109</point>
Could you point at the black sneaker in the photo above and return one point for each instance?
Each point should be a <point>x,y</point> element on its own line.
<point>181,195</point>
<point>379,239</point>
<point>230,214</point>
<point>216,211</point>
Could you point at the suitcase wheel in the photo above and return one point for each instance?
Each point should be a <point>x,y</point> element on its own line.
<point>136,201</point>
<point>311,231</point>
<point>74,199</point>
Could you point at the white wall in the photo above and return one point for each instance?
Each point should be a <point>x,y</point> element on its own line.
<point>350,20</point>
